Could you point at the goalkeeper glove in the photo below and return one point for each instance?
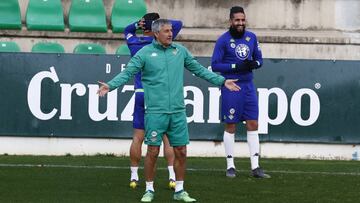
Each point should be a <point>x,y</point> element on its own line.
<point>251,64</point>
<point>246,65</point>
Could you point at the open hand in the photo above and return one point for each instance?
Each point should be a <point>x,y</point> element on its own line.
<point>141,23</point>
<point>104,89</point>
<point>231,85</point>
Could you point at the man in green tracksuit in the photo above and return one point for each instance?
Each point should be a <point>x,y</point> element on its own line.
<point>162,66</point>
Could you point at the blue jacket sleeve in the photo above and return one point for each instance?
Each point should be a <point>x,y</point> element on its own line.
<point>217,64</point>
<point>176,26</point>
<point>257,55</point>
<point>130,32</point>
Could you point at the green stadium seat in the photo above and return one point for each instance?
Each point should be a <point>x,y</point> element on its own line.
<point>87,16</point>
<point>48,47</point>
<point>125,12</point>
<point>89,48</point>
<point>9,47</point>
<point>123,50</point>
<point>45,15</point>
<point>10,17</point>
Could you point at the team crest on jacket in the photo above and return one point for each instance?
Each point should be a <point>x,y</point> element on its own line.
<point>242,51</point>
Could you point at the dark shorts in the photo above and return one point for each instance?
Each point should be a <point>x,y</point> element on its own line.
<point>138,115</point>
<point>241,105</point>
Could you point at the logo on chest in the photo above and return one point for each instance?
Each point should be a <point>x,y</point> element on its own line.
<point>242,51</point>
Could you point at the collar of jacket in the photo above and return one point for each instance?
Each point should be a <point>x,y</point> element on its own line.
<point>157,45</point>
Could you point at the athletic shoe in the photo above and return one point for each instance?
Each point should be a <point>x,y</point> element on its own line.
<point>148,196</point>
<point>259,173</point>
<point>133,183</point>
<point>183,196</point>
<point>231,173</point>
<point>172,184</point>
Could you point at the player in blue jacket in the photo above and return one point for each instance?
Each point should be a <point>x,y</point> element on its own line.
<point>135,43</point>
<point>236,54</point>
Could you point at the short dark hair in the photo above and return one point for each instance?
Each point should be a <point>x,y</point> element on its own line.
<point>151,16</point>
<point>236,9</point>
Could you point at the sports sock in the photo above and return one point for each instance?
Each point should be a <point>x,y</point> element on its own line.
<point>149,186</point>
<point>171,173</point>
<point>229,142</point>
<point>179,186</point>
<point>254,148</point>
<point>134,173</point>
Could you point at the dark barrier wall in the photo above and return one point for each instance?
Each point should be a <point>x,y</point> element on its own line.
<point>50,95</point>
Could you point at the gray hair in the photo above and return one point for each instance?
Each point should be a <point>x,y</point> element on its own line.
<point>157,24</point>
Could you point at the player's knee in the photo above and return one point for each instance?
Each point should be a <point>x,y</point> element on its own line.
<point>153,151</point>
<point>230,128</point>
<point>252,125</point>
<point>138,140</point>
<point>180,152</point>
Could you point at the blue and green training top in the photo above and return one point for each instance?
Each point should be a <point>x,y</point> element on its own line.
<point>229,51</point>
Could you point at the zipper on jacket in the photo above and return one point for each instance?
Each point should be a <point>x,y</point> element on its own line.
<point>168,78</point>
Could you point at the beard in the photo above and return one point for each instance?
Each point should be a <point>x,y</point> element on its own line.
<point>235,33</point>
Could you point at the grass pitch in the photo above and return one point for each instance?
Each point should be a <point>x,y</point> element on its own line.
<point>106,179</point>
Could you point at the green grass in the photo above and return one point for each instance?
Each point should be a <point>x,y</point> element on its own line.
<point>106,179</point>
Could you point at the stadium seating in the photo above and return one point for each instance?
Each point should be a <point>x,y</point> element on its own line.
<point>10,17</point>
<point>48,47</point>
<point>125,12</point>
<point>89,48</point>
<point>9,47</point>
<point>123,50</point>
<point>87,16</point>
<point>45,15</point>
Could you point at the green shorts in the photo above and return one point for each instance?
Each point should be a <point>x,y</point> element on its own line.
<point>174,125</point>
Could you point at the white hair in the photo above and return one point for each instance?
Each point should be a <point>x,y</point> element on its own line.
<point>157,24</point>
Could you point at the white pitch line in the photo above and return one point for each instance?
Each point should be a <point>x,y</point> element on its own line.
<point>188,169</point>
<point>62,166</point>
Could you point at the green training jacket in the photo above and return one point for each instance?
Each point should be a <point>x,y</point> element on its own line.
<point>162,76</point>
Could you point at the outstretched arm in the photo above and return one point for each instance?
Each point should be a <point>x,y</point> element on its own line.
<point>200,71</point>
<point>195,67</point>
<point>134,66</point>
